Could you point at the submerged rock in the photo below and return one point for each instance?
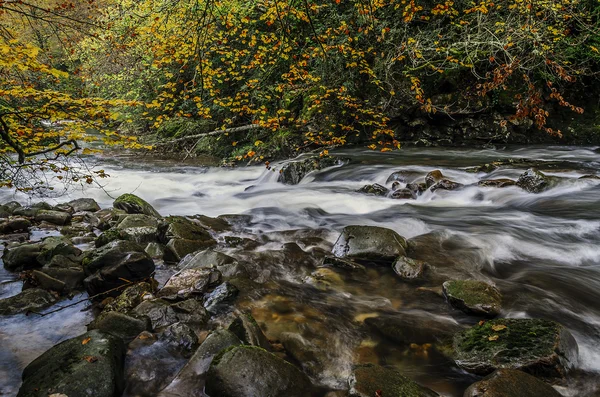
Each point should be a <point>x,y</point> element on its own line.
<point>541,347</point>
<point>415,327</point>
<point>293,172</point>
<point>249,371</point>
<point>372,380</point>
<point>409,269</point>
<point>510,383</point>
<point>133,204</point>
<point>32,299</point>
<point>534,181</point>
<point>308,355</point>
<point>88,365</point>
<point>473,297</point>
<point>374,189</point>
<point>369,244</point>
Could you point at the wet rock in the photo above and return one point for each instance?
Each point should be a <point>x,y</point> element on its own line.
<point>510,383</point>
<point>342,263</point>
<point>371,380</point>
<point>13,225</point>
<point>137,220</point>
<point>84,204</point>
<point>206,259</point>
<point>47,282</point>
<point>22,257</point>
<point>70,277</point>
<point>190,282</point>
<point>129,299</point>
<point>11,206</point>
<point>416,188</point>
<point>215,224</point>
<point>473,297</point>
<point>248,371</point>
<point>77,230</point>
<point>55,217</point>
<point>163,313</point>
<point>108,218</point>
<point>132,204</point>
<point>109,266</point>
<point>241,242</point>
<point>409,269</point>
<point>191,312</point>
<point>540,347</point>
<point>374,189</point>
<point>155,250</point>
<point>370,244</point>
<point>33,299</point>
<point>404,194</point>
<point>181,338</point>
<point>589,177</point>
<point>247,330</point>
<point>446,184</point>
<point>307,354</point>
<point>293,172</point>
<point>183,237</point>
<point>414,327</point>
<point>190,382</point>
<point>109,236</point>
<point>433,177</point>
<point>496,182</point>
<point>58,247</point>
<point>403,176</point>
<point>122,325</point>
<point>221,298</point>
<point>533,181</point>
<point>74,368</point>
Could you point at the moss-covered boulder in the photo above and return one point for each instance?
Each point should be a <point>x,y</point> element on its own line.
<point>33,299</point>
<point>133,204</point>
<point>372,380</point>
<point>540,347</point>
<point>370,244</point>
<point>88,365</point>
<point>534,181</point>
<point>249,371</point>
<point>473,297</point>
<point>183,236</point>
<point>375,190</point>
<point>409,269</point>
<point>510,383</point>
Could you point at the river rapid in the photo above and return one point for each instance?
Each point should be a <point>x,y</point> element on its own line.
<point>542,251</point>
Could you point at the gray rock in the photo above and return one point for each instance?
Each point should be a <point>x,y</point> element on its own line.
<point>70,277</point>
<point>183,237</point>
<point>293,172</point>
<point>155,250</point>
<point>13,225</point>
<point>249,371</point>
<point>510,383</point>
<point>374,189</point>
<point>11,206</point>
<point>122,325</point>
<point>409,269</point>
<point>404,194</point>
<point>473,297</point>
<point>77,369</point>
<point>181,338</point>
<point>371,380</point>
<point>446,184</point>
<point>369,244</point>
<point>55,217</point>
<point>247,330</point>
<point>132,204</point>
<point>403,176</point>
<point>137,220</point>
<point>109,236</point>
<point>206,259</point>
<point>190,282</point>
<point>221,298</point>
<point>541,347</point>
<point>84,204</point>
<point>22,257</point>
<point>534,181</point>
<point>504,182</point>
<point>129,299</point>
<point>163,313</point>
<point>33,299</point>
<point>47,282</point>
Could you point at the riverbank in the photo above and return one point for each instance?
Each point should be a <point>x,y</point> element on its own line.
<point>317,302</point>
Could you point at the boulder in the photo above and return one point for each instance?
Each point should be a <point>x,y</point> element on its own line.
<point>374,190</point>
<point>122,325</point>
<point>249,371</point>
<point>190,282</point>
<point>155,250</point>
<point>293,172</point>
<point>446,184</point>
<point>110,235</point>
<point>210,258</point>
<point>12,225</point>
<point>70,277</point>
<point>433,177</point>
<point>504,182</point>
<point>510,383</point>
<point>162,313</point>
<point>183,237</point>
<point>181,338</point>
<point>414,327</point>
<point>59,218</point>
<point>132,204</point>
<point>404,194</point>
<point>373,380</point>
<point>137,220</point>
<point>403,176</point>
<point>129,299</point>
<point>47,282</point>
<point>88,365</point>
<point>32,299</point>
<point>247,330</point>
<point>416,188</point>
<point>220,298</point>
<point>534,181</point>
<point>108,267</point>
<point>22,257</point>
<point>84,204</point>
<point>540,347</point>
<point>409,269</point>
<point>473,297</point>
<point>60,248</point>
<point>370,244</point>
<point>11,206</point>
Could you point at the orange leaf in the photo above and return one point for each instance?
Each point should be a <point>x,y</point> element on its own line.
<point>86,341</point>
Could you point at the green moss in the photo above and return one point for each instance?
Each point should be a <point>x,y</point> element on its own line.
<point>472,292</point>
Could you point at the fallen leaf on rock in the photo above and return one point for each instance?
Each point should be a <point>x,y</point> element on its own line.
<point>86,341</point>
<point>481,322</point>
<point>498,327</point>
<point>493,337</point>
<point>90,359</point>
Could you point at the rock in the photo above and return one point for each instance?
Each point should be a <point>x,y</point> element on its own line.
<point>163,313</point>
<point>84,204</point>
<point>510,383</point>
<point>589,177</point>
<point>33,299</point>
<point>122,325</point>
<point>75,368</point>
<point>109,266</point>
<point>190,382</point>
<point>183,237</point>
<point>241,242</point>
<point>409,269</point>
<point>249,371</point>
<point>473,297</point>
<point>180,337</point>
<point>433,177</point>
<point>304,352</point>
<point>215,224</point>
<point>48,282</point>
<point>129,299</point>
<point>60,248</point>
<point>374,189</point>
<point>446,184</point>
<point>13,225</point>
<point>11,206</point>
<point>155,250</point>
<point>55,217</point>
<point>70,277</point>
<point>293,172</point>
<point>177,249</point>
<point>77,230</point>
<point>190,282</point>
<point>22,257</point>
<point>137,220</point>
<point>533,181</point>
<point>541,347</point>
<point>370,244</point>
<point>371,380</point>
<point>248,331</point>
<point>496,182</point>
<point>414,327</point>
<point>110,235</point>
<point>206,259</point>
<point>416,188</point>
<point>403,176</point>
<point>132,204</point>
<point>221,297</point>
<point>404,194</point>
<point>342,263</point>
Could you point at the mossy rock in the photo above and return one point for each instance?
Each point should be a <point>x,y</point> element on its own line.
<point>371,380</point>
<point>374,190</point>
<point>473,297</point>
<point>534,181</point>
<point>540,347</point>
<point>510,383</point>
<point>33,299</point>
<point>133,204</point>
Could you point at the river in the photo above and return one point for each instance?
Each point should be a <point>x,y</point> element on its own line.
<point>541,250</point>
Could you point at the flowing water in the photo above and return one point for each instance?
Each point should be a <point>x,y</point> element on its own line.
<point>541,250</point>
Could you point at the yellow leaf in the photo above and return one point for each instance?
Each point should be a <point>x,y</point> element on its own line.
<point>493,337</point>
<point>498,327</point>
